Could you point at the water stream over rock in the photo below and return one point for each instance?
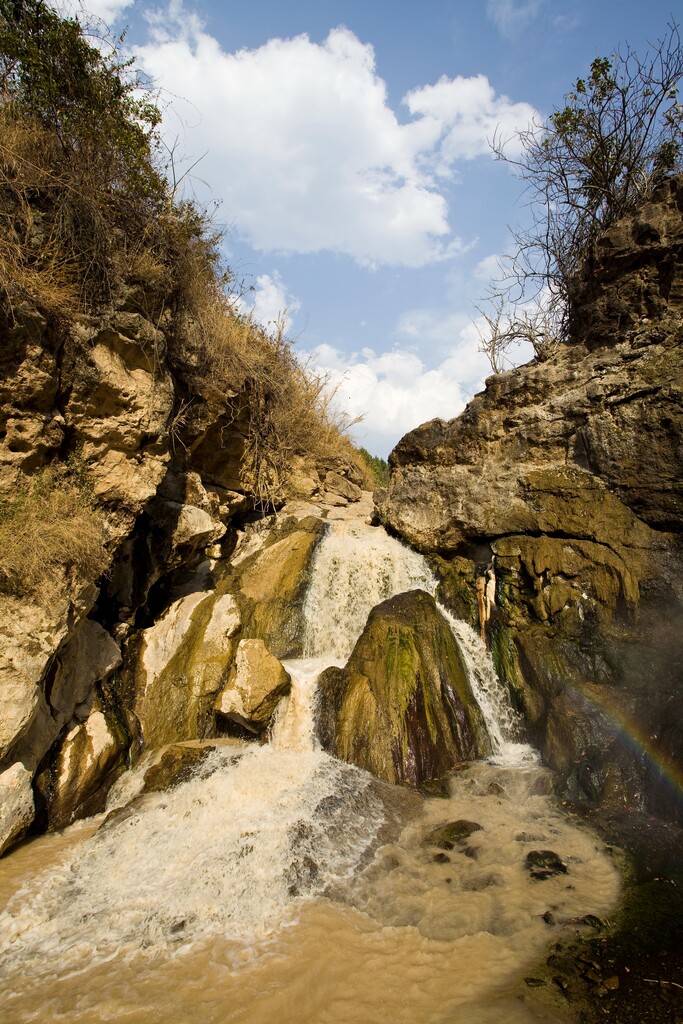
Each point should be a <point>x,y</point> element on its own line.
<point>279,883</point>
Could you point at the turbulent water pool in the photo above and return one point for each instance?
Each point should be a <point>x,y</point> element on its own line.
<point>269,907</point>
<point>280,884</point>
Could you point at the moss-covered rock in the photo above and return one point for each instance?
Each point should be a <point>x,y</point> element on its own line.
<point>402,708</point>
<point>271,586</point>
<point>178,665</point>
<point>177,764</point>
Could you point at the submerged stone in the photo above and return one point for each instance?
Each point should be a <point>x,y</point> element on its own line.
<point>544,863</point>
<point>402,708</point>
<point>177,765</point>
<point>446,836</point>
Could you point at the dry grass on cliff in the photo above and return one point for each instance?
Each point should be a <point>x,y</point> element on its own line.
<point>290,407</point>
<point>47,526</point>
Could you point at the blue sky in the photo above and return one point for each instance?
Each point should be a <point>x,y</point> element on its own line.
<point>347,145</point>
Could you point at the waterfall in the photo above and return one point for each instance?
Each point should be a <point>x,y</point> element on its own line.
<point>503,724</point>
<point>355,568</point>
<point>272,885</point>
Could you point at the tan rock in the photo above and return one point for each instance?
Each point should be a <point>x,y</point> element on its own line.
<point>272,586</point>
<point>90,758</point>
<point>181,662</point>
<point>256,684</point>
<point>90,656</point>
<point>16,805</point>
<point>337,484</point>
<point>30,637</point>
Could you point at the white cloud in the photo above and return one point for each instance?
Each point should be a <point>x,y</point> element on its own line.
<point>395,391</point>
<point>270,303</point>
<point>305,149</point>
<point>510,16</point>
<point>489,268</point>
<point>107,10</point>
<point>470,115</point>
<point>273,304</point>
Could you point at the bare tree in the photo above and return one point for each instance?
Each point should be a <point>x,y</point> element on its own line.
<point>618,135</point>
<point>505,324</point>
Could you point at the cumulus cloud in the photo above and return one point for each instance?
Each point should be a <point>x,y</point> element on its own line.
<point>469,115</point>
<point>510,16</point>
<point>107,10</point>
<point>305,149</point>
<point>273,304</point>
<point>270,303</point>
<point>395,391</point>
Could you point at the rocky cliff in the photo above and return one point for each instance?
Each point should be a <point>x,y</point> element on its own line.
<point>157,463</point>
<point>560,490</point>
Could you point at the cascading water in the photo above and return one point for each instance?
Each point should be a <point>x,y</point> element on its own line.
<point>175,908</point>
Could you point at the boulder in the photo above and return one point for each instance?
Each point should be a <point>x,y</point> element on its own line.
<point>16,805</point>
<point>271,584</point>
<point>178,665</point>
<point>402,708</point>
<point>32,636</point>
<point>91,757</point>
<point>445,837</point>
<point>176,765</point>
<point>255,686</point>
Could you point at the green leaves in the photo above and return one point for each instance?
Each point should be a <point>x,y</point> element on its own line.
<point>598,156</point>
<point>49,71</point>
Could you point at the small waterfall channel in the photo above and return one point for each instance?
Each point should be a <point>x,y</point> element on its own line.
<point>279,883</point>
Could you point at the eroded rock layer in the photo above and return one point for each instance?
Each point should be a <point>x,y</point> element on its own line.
<point>563,480</point>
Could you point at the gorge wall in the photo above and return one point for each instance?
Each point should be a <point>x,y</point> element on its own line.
<point>562,482</point>
<point>133,647</point>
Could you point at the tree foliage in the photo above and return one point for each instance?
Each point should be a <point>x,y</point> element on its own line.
<point>377,466</point>
<point>618,134</point>
<point>88,97</point>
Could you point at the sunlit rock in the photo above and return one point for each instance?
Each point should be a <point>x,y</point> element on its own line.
<point>92,754</point>
<point>272,585</point>
<point>181,662</point>
<point>256,684</point>
<point>31,636</point>
<point>16,805</point>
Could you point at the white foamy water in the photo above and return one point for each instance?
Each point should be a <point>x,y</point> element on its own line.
<point>355,568</point>
<point>225,853</point>
<point>503,724</point>
<point>149,932</point>
<point>259,889</point>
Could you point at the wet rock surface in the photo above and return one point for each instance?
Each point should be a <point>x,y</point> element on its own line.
<point>558,492</point>
<point>543,864</point>
<point>402,707</point>
<point>627,968</point>
<point>455,832</point>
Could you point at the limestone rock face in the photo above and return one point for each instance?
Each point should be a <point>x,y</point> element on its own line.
<point>255,686</point>
<point>564,478</point>
<point>271,580</point>
<point>180,664</point>
<point>402,707</point>
<point>120,400</point>
<point>16,804</point>
<point>32,636</point>
<point>92,755</point>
